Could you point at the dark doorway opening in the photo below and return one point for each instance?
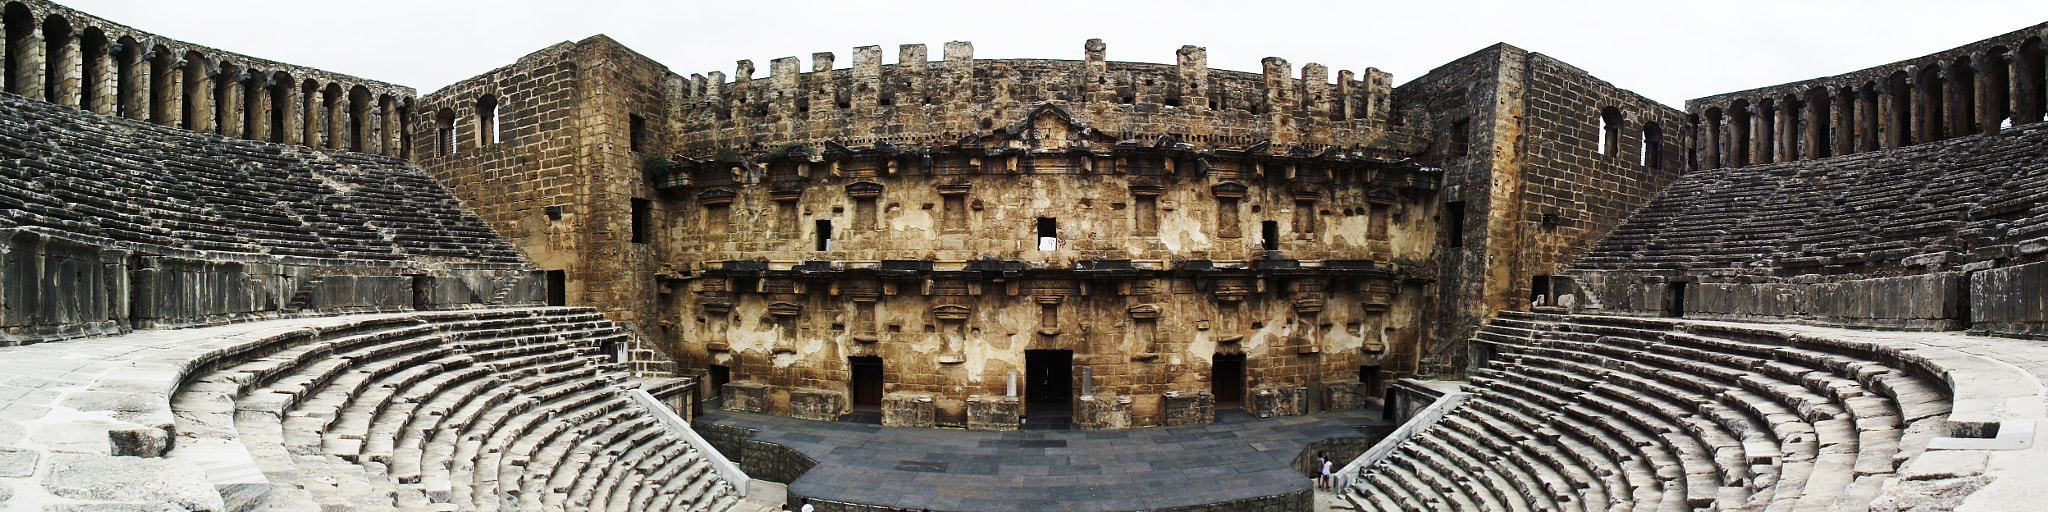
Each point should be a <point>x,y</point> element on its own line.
<point>867,382</point>
<point>1269,235</point>
<point>720,374</point>
<point>422,293</point>
<point>824,235</point>
<point>1674,300</point>
<point>1226,381</point>
<point>1539,291</point>
<point>1049,389</point>
<point>558,288</point>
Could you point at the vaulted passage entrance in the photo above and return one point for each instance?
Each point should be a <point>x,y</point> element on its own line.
<point>1048,389</point>
<point>867,382</point>
<point>1226,380</point>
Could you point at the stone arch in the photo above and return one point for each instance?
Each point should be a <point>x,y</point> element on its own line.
<point>129,79</point>
<point>331,117</point>
<point>226,99</point>
<point>387,129</point>
<point>1610,131</point>
<point>1817,124</point>
<point>23,53</point>
<point>488,122</point>
<point>1995,86</point>
<point>1867,118</point>
<point>1738,134</point>
<point>2029,63</point>
<point>163,87</point>
<point>60,53</point>
<point>360,127</point>
<point>282,104</point>
<point>1652,151</point>
<point>1898,116</point>
<point>311,117</point>
<point>94,79</point>
<point>444,132</point>
<point>1961,88</point>
<point>1715,123</point>
<point>195,113</point>
<point>1927,104</point>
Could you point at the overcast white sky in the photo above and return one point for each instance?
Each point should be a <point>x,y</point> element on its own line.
<point>1668,51</point>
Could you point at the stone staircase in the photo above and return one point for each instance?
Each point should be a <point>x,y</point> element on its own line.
<point>498,409</point>
<point>1581,413</point>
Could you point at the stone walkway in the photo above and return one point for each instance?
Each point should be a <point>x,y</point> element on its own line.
<point>1239,457</point>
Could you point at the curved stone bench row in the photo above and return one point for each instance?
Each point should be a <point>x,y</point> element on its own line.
<point>1575,413</point>
<point>1976,197</point>
<point>490,410</point>
<point>154,186</point>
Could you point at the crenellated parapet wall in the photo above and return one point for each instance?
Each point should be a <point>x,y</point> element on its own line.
<point>78,60</point>
<point>1978,88</point>
<point>920,102</point>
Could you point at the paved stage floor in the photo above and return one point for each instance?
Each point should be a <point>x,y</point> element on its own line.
<point>1238,457</point>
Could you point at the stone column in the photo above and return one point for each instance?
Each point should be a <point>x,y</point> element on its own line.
<point>1279,92</point>
<point>102,73</point>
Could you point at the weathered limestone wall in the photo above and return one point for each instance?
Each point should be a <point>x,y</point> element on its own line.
<point>1525,152</point>
<point>558,171</point>
<point>919,101</point>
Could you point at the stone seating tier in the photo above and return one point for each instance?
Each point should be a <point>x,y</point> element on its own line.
<point>1979,200</point>
<point>489,410</point>
<point>1583,413</point>
<point>161,190</point>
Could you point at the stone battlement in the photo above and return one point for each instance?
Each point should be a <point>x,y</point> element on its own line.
<point>919,102</point>
<point>82,61</point>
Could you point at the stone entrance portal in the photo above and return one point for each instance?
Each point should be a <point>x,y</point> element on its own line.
<point>1226,380</point>
<point>866,383</point>
<point>1048,388</point>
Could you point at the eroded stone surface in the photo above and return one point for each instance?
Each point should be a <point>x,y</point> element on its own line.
<point>130,479</point>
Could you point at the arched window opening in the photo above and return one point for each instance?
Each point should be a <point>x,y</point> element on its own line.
<point>255,117</point>
<point>21,47</point>
<point>163,83</point>
<point>1962,98</point>
<point>127,80</point>
<point>93,72</point>
<point>2033,96</point>
<point>281,105</point>
<point>1767,131</point>
<point>1819,115</point>
<point>1715,122</point>
<point>487,120</point>
<point>1927,107</point>
<point>360,129</point>
<point>1867,118</point>
<point>1996,113</point>
<point>1738,126</point>
<point>1652,150</point>
<point>1898,117</point>
<point>1610,131</point>
<point>192,113</point>
<point>444,128</point>
<point>225,100</point>
<point>405,129</point>
<point>60,84</point>
<point>310,123</point>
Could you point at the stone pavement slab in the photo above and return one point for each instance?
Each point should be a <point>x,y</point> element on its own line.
<point>1237,458</point>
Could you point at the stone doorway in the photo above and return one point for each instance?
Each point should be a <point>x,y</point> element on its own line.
<point>720,374</point>
<point>1674,300</point>
<point>1226,380</point>
<point>558,288</point>
<point>866,385</point>
<point>1048,389</point>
